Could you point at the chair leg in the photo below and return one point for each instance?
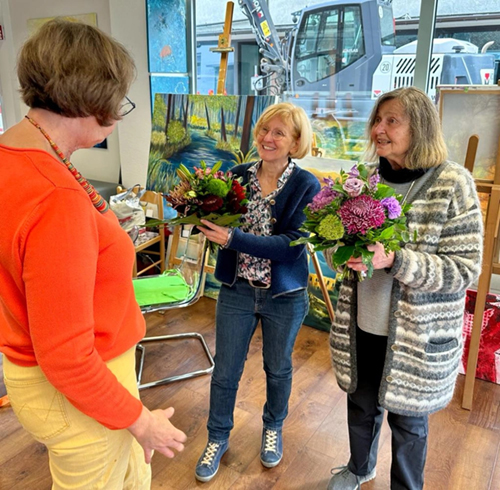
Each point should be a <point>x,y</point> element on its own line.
<point>171,379</point>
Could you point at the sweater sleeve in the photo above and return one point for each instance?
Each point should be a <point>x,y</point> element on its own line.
<point>59,257</point>
<point>456,264</point>
<point>277,247</point>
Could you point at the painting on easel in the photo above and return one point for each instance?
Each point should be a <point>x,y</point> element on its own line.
<point>191,128</point>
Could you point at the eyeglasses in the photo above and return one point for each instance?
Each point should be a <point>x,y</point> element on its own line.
<point>276,134</point>
<point>126,108</point>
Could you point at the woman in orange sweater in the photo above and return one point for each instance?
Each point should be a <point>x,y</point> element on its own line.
<point>69,321</point>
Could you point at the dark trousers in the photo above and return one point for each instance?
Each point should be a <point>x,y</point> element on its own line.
<point>365,416</point>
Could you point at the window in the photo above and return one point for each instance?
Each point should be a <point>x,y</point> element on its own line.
<point>316,50</point>
<point>207,70</point>
<point>322,36</point>
<point>353,46</point>
<point>387,25</point>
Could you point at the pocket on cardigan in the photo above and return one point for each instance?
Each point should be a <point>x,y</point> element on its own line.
<point>438,347</point>
<point>39,407</point>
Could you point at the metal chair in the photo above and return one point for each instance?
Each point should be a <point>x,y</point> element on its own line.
<point>178,287</point>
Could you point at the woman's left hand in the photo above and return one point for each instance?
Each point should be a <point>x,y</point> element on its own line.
<point>215,233</point>
<point>380,260</point>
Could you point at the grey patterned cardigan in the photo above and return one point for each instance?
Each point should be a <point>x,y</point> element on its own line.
<point>427,300</point>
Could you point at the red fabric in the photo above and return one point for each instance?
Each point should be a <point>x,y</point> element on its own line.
<point>66,295</point>
<point>488,365</point>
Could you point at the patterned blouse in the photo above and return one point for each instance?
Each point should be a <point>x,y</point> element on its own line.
<point>258,222</point>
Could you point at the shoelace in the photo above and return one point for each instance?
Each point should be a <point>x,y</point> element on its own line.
<point>210,452</point>
<point>270,438</point>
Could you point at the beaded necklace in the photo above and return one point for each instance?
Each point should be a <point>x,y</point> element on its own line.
<point>99,203</point>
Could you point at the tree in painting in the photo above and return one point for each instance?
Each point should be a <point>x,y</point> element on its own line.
<point>190,128</point>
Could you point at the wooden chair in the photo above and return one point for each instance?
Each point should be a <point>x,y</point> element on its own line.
<point>154,248</point>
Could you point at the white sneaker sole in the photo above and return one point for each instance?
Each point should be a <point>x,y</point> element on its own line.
<point>271,465</point>
<point>204,479</point>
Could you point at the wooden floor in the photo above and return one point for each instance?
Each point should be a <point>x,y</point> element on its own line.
<point>463,446</point>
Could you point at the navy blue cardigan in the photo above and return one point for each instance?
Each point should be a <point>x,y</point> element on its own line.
<point>289,271</point>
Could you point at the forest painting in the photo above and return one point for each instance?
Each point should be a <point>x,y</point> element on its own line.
<point>191,128</point>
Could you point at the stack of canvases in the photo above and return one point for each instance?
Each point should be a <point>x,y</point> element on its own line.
<point>488,364</point>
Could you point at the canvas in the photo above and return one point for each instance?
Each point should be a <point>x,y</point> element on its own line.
<point>167,39</point>
<point>190,128</point>
<point>472,110</point>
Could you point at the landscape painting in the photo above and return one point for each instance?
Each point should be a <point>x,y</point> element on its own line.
<point>190,128</point>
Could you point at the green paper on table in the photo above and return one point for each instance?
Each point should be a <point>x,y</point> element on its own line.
<point>165,288</point>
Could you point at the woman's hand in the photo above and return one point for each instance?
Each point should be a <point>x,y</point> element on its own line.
<point>380,260</point>
<point>215,233</point>
<point>154,432</point>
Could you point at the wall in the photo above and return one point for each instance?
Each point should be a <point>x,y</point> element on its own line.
<point>125,20</point>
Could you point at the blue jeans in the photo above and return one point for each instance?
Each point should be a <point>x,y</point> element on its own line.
<point>239,309</point>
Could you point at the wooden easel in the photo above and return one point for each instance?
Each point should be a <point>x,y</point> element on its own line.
<point>321,281</point>
<point>224,48</point>
<point>490,266</point>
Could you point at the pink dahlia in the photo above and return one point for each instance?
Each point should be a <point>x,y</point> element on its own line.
<point>361,213</point>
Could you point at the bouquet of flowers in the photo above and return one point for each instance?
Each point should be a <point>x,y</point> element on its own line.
<point>207,193</point>
<point>353,211</point>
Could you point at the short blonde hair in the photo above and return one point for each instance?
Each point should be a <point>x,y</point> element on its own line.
<point>75,70</point>
<point>427,146</point>
<point>294,116</point>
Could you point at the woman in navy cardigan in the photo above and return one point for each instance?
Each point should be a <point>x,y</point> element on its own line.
<point>263,279</point>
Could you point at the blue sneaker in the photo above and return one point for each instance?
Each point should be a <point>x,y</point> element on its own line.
<point>271,450</point>
<point>208,464</point>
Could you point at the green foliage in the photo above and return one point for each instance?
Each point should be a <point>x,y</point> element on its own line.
<point>159,113</point>
<point>239,157</point>
<point>197,121</point>
<point>224,145</point>
<point>176,132</point>
<point>158,138</point>
<point>161,174</point>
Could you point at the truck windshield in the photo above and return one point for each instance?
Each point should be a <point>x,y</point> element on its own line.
<point>328,41</point>
<point>387,25</point>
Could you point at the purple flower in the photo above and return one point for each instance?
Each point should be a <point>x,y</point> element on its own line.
<point>392,206</point>
<point>361,213</point>
<point>354,172</point>
<point>329,181</point>
<point>374,180</point>
<point>353,186</point>
<point>324,197</point>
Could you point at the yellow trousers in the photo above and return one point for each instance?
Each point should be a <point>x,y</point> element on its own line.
<point>83,454</point>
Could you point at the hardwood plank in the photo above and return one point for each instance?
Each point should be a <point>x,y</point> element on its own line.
<point>473,468</point>
<point>463,446</point>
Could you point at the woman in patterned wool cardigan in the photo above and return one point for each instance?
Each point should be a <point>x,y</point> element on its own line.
<point>396,340</point>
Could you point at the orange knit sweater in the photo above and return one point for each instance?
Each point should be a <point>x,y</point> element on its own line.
<point>66,298</point>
